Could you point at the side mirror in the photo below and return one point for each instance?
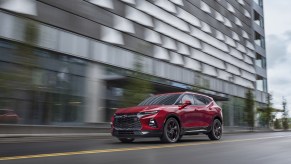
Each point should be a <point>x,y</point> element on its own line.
<point>186,103</point>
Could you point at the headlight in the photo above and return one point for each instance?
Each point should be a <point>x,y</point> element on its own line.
<point>141,114</point>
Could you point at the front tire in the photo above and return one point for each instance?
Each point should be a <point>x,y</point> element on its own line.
<point>216,130</point>
<point>126,140</point>
<point>171,131</point>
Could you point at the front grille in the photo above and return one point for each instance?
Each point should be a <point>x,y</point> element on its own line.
<point>127,122</point>
<point>126,132</point>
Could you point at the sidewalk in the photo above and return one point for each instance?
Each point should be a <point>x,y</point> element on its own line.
<point>35,133</point>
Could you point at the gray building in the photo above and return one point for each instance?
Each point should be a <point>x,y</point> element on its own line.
<point>67,61</point>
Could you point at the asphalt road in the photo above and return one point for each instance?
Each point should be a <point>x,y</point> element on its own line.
<point>248,148</point>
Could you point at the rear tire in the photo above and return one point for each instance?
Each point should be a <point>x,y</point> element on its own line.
<point>126,140</point>
<point>171,131</point>
<point>216,130</point>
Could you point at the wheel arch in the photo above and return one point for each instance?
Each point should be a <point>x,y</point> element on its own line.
<point>173,116</point>
<point>217,117</point>
<point>210,133</point>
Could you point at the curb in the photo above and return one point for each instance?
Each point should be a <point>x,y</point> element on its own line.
<point>30,138</point>
<point>55,135</point>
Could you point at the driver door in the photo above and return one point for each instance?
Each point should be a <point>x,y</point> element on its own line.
<point>189,115</point>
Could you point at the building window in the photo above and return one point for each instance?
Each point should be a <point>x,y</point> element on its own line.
<point>73,44</point>
<point>261,84</point>
<point>260,61</point>
<point>258,19</point>
<point>259,40</point>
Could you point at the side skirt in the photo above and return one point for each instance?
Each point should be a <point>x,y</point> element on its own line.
<point>195,131</point>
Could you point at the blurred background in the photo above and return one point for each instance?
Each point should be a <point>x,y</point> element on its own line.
<point>75,62</point>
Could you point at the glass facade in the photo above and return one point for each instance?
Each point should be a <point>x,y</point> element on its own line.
<point>42,86</point>
<point>68,66</point>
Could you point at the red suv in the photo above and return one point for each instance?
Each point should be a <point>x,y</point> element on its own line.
<point>169,116</point>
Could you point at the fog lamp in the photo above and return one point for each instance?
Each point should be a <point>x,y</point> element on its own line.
<point>153,123</point>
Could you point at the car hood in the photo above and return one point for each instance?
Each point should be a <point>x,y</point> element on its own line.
<point>136,109</point>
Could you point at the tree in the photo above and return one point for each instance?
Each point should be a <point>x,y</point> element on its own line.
<point>266,112</point>
<point>137,88</point>
<point>285,121</point>
<point>277,124</point>
<point>249,109</point>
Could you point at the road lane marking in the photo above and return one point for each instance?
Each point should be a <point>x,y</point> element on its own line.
<point>132,148</point>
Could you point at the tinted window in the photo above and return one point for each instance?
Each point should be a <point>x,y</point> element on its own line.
<point>160,100</point>
<point>201,100</point>
<point>207,100</point>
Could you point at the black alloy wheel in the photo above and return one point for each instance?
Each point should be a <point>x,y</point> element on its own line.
<point>126,140</point>
<point>171,131</point>
<point>216,130</point>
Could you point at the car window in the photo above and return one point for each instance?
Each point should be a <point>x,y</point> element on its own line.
<point>201,100</point>
<point>198,100</point>
<point>169,99</point>
<point>207,100</point>
<point>185,98</point>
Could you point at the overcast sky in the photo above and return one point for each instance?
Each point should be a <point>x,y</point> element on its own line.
<point>278,42</point>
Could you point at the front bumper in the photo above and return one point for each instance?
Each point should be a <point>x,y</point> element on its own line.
<point>135,133</point>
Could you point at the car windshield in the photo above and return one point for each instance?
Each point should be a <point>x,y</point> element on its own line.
<point>167,99</point>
